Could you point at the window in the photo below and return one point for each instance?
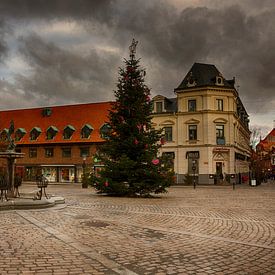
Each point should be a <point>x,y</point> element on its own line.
<point>48,152</point>
<point>35,132</point>
<point>20,132</point>
<point>4,135</point>
<point>66,152</point>
<point>219,103</point>
<point>192,132</point>
<point>86,131</point>
<point>168,133</point>
<point>84,151</point>
<point>68,132</point>
<point>33,152</point>
<point>159,108</point>
<point>51,132</point>
<point>105,130</point>
<point>192,105</point>
<point>220,134</point>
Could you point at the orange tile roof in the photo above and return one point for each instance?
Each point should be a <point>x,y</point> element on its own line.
<point>266,144</point>
<point>94,114</point>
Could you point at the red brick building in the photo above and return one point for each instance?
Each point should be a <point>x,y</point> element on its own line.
<point>58,140</point>
<point>266,154</point>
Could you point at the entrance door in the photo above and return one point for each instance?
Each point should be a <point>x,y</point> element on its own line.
<point>219,172</point>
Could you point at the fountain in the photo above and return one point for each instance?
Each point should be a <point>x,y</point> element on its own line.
<point>10,155</point>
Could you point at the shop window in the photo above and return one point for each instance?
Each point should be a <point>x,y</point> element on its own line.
<point>192,105</point>
<point>19,134</point>
<point>49,152</point>
<point>51,132</point>
<point>86,131</point>
<point>168,133</point>
<point>105,131</point>
<point>220,134</point>
<point>219,104</point>
<point>192,132</point>
<point>33,152</point>
<point>35,132</point>
<point>84,152</point>
<point>66,152</point>
<point>68,132</point>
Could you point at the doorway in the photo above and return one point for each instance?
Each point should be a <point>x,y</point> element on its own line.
<point>219,172</point>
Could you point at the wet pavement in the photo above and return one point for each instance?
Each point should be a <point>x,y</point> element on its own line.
<point>210,230</point>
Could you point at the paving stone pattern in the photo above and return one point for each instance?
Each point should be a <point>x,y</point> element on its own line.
<point>210,230</point>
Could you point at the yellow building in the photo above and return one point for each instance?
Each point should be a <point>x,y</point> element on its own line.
<point>206,127</point>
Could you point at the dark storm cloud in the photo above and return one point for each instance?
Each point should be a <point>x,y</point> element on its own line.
<point>62,76</point>
<point>52,9</point>
<point>239,39</point>
<point>3,44</point>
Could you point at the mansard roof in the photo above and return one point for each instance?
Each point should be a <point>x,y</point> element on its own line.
<point>94,114</point>
<point>204,75</point>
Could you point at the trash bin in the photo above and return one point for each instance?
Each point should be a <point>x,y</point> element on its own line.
<point>253,183</point>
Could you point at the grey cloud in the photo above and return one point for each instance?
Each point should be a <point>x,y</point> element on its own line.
<point>239,39</point>
<point>3,44</point>
<point>62,76</point>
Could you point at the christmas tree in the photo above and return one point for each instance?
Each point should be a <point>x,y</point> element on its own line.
<point>132,166</point>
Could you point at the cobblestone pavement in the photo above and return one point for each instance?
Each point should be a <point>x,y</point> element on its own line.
<point>210,230</point>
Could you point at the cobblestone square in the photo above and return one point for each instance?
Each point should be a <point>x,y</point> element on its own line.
<point>209,230</point>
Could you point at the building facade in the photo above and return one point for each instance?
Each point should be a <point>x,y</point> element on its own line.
<point>57,141</point>
<point>206,127</point>
<point>265,151</point>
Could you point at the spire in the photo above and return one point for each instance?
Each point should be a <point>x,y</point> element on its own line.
<point>132,48</point>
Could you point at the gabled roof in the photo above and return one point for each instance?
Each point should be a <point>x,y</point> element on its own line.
<point>204,75</point>
<point>94,114</point>
<point>268,142</point>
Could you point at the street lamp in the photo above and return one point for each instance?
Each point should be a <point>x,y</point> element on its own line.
<point>194,169</point>
<point>84,176</point>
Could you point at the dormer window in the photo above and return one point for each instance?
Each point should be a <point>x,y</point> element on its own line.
<point>4,134</point>
<point>51,132</point>
<point>68,132</point>
<point>105,130</point>
<point>20,132</point>
<point>191,81</point>
<point>159,107</point>
<point>86,131</point>
<point>219,81</point>
<point>34,133</point>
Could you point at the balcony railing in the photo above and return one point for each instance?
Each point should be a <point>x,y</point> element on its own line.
<point>220,141</point>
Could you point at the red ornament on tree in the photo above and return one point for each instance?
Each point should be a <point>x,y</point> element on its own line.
<point>106,183</point>
<point>155,161</point>
<point>136,141</point>
<point>162,141</point>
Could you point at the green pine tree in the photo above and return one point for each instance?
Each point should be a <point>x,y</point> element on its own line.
<point>132,166</point>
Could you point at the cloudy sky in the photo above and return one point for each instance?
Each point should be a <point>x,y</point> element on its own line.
<point>55,52</point>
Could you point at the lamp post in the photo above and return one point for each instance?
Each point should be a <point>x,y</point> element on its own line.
<point>194,169</point>
<point>84,180</point>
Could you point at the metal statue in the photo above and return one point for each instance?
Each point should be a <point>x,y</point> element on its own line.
<point>132,48</point>
<point>11,145</point>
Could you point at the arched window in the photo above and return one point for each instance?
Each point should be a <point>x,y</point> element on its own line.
<point>105,130</point>
<point>34,133</point>
<point>51,132</point>
<point>68,132</point>
<point>86,131</point>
